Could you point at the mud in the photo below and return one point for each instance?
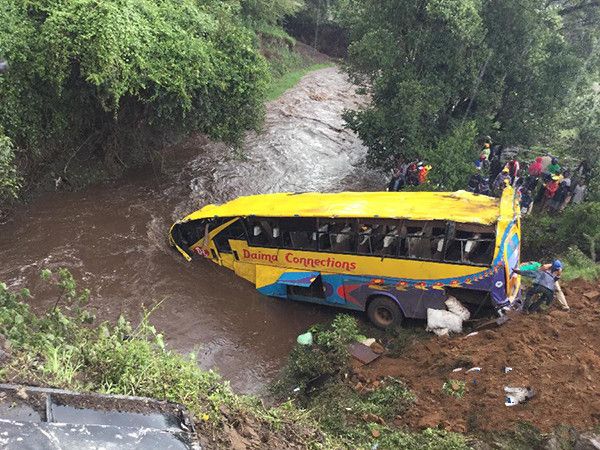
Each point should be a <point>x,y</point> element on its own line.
<point>556,353</point>
<point>113,236</point>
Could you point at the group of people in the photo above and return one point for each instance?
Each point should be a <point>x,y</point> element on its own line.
<point>545,183</point>
<point>412,173</point>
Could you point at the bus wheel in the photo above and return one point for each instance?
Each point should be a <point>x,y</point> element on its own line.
<point>384,312</point>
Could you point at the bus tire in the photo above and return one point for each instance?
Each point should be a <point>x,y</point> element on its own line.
<point>384,312</point>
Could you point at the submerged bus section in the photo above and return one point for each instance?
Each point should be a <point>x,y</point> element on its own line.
<point>391,254</point>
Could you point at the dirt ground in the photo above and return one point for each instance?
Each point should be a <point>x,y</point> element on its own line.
<point>556,353</point>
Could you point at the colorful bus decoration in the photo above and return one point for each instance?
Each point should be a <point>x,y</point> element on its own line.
<point>391,254</point>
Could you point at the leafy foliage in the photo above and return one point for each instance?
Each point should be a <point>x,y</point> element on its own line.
<point>579,265</point>
<point>454,388</point>
<point>327,357</point>
<point>10,182</point>
<point>548,236</point>
<point>110,77</point>
<point>509,67</point>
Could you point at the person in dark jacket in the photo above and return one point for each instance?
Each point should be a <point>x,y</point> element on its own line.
<point>544,284</point>
<point>397,182</point>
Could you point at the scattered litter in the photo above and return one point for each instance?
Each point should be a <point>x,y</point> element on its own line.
<point>474,333</point>
<point>516,395</point>
<point>507,369</point>
<point>368,341</point>
<point>441,331</point>
<point>305,339</point>
<point>362,352</point>
<point>297,389</point>
<point>458,369</point>
<point>474,369</point>
<point>439,318</point>
<point>456,307</point>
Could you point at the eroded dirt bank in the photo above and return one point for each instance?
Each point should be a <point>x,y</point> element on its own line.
<point>557,354</point>
<point>113,236</point>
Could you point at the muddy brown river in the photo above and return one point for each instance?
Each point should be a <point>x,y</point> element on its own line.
<point>113,236</point>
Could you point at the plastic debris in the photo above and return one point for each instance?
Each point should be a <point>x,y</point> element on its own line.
<point>441,331</point>
<point>474,333</point>
<point>507,369</point>
<point>305,339</point>
<point>516,395</point>
<point>458,369</point>
<point>474,369</point>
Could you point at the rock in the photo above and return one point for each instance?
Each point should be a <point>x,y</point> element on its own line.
<point>377,348</point>
<point>21,393</point>
<point>375,433</point>
<point>588,441</point>
<point>592,295</point>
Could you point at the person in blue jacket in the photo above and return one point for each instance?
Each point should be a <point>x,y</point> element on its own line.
<point>544,284</point>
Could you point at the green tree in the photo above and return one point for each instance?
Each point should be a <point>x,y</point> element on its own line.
<point>431,66</point>
<point>114,77</point>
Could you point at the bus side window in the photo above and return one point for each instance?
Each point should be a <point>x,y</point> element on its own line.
<point>370,237</point>
<point>339,236</point>
<point>234,231</point>
<point>425,240</point>
<point>263,232</point>
<point>471,244</point>
<point>298,233</point>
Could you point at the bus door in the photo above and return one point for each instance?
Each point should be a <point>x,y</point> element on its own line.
<point>221,251</point>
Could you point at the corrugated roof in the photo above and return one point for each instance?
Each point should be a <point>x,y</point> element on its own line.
<point>457,206</point>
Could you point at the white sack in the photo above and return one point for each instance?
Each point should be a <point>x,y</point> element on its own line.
<point>454,306</point>
<point>439,318</point>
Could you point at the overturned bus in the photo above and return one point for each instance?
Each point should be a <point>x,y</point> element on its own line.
<point>391,254</point>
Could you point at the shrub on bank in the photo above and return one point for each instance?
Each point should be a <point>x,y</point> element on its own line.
<point>61,348</point>
<point>113,79</point>
<point>546,236</point>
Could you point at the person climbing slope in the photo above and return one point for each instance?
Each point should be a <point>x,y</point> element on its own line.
<point>544,285</point>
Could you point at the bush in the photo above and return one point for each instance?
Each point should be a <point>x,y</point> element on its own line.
<point>546,236</point>
<point>112,77</point>
<point>10,182</point>
<point>578,265</point>
<point>327,356</point>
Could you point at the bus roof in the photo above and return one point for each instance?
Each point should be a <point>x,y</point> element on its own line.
<point>460,206</point>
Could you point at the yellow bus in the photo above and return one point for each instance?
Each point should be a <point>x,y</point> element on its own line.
<point>391,254</point>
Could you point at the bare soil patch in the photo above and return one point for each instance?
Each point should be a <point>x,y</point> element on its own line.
<point>556,353</point>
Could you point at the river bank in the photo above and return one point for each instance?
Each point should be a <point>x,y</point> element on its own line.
<point>112,236</point>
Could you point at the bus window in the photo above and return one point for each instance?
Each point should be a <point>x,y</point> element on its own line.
<point>263,232</point>
<point>470,244</point>
<point>378,237</point>
<point>392,240</point>
<point>337,235</point>
<point>424,240</point>
<point>298,233</point>
<point>234,231</point>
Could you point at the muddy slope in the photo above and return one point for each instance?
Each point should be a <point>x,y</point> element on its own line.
<point>557,354</point>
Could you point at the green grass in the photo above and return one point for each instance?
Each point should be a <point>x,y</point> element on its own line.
<point>291,79</point>
<point>579,265</point>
